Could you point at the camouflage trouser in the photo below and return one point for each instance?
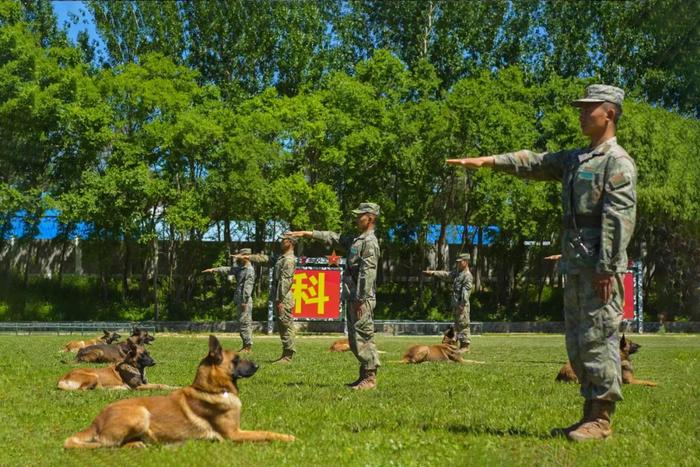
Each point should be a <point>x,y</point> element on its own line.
<point>361,335</point>
<point>461,317</point>
<point>592,336</point>
<point>286,327</point>
<point>245,321</point>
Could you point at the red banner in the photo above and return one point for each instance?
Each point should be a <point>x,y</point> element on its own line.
<point>628,296</point>
<point>316,293</point>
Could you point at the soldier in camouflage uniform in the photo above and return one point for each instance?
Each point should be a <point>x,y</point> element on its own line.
<point>462,284</point>
<point>599,201</point>
<point>244,274</point>
<point>282,297</point>
<point>359,288</point>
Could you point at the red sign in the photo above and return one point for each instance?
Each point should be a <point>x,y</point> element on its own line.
<point>316,293</point>
<point>628,296</point>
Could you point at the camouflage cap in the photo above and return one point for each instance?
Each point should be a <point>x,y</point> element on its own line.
<point>601,93</point>
<point>366,208</point>
<point>244,251</point>
<point>463,257</point>
<point>289,238</point>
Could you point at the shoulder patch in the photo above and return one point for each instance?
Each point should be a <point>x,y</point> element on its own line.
<point>618,180</point>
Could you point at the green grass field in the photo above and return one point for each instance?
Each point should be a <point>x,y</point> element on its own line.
<point>499,413</point>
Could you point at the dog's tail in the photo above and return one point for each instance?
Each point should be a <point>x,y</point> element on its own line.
<point>83,439</point>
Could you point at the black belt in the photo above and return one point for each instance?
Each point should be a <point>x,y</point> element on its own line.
<point>588,222</point>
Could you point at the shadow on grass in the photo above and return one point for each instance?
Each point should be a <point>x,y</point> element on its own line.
<point>487,430</point>
<point>306,383</point>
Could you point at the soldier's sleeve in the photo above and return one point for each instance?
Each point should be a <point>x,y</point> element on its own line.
<point>442,274</point>
<point>329,238</point>
<point>248,283</point>
<point>368,271</point>
<point>260,258</point>
<point>286,279</point>
<point>535,166</point>
<point>467,287</point>
<point>619,214</point>
<point>222,269</point>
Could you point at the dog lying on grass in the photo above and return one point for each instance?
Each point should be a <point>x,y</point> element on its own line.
<point>627,347</point>
<point>130,373</point>
<point>207,409</point>
<point>446,351</point>
<point>107,338</point>
<point>113,353</point>
<point>341,345</point>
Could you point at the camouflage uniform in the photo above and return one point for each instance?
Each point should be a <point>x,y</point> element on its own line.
<point>599,185</point>
<point>359,284</point>
<point>243,296</point>
<point>281,291</point>
<point>462,284</point>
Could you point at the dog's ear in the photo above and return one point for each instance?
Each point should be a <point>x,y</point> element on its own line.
<point>623,341</point>
<point>106,332</point>
<point>136,332</point>
<point>216,352</point>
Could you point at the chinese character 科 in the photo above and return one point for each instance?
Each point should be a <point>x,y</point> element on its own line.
<point>310,290</point>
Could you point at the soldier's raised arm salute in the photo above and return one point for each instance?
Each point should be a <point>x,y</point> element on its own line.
<point>359,288</point>
<point>599,203</point>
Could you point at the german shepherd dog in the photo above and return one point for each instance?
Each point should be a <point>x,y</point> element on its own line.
<point>207,409</point>
<point>447,351</point>
<point>130,373</point>
<point>107,338</point>
<point>113,353</point>
<point>341,345</point>
<point>627,347</point>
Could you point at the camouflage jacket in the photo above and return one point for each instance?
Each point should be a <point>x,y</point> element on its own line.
<point>282,279</point>
<point>245,278</point>
<point>360,277</point>
<point>462,284</point>
<point>599,185</point>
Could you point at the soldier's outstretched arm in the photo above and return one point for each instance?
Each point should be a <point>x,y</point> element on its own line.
<point>253,258</point>
<point>221,269</point>
<point>523,164</point>
<point>325,236</point>
<point>438,274</point>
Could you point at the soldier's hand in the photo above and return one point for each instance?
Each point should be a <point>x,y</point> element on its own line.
<point>553,257</point>
<point>428,273</point>
<point>603,283</point>
<point>207,270</point>
<point>280,308</point>
<point>244,307</point>
<point>240,256</point>
<point>472,162</point>
<point>357,308</point>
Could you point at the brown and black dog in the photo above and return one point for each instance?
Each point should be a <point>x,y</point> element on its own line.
<point>113,353</point>
<point>627,347</point>
<point>130,373</point>
<point>207,409</point>
<point>107,338</point>
<point>341,345</point>
<point>447,351</point>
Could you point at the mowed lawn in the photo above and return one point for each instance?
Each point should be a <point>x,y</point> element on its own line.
<point>498,413</point>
